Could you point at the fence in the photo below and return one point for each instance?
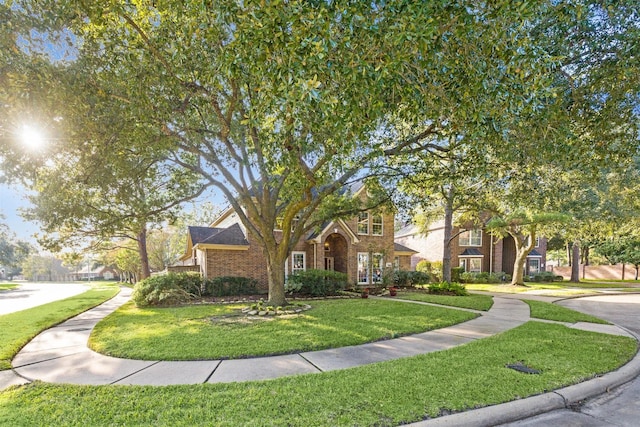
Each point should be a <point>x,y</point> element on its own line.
<point>183,268</point>
<point>599,272</point>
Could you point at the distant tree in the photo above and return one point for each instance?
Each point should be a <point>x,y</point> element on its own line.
<point>524,228</point>
<point>12,252</point>
<point>43,268</point>
<point>625,250</point>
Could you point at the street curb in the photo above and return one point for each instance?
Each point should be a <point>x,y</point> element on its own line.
<point>535,405</point>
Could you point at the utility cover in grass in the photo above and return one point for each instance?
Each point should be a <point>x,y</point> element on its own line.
<point>518,366</point>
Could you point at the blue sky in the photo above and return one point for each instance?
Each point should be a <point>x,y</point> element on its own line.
<point>11,199</point>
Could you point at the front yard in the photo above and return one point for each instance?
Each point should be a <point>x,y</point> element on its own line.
<point>222,332</point>
<point>381,394</point>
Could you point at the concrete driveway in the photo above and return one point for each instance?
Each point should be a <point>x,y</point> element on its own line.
<point>620,406</point>
<point>29,294</point>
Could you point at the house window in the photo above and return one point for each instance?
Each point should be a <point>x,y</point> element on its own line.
<point>377,266</point>
<point>396,263</point>
<point>471,265</point>
<point>370,267</point>
<point>376,225</point>
<point>363,267</point>
<point>537,242</point>
<point>363,223</point>
<point>471,238</point>
<point>534,266</point>
<point>299,262</point>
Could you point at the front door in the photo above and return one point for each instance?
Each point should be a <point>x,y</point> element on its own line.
<point>328,263</point>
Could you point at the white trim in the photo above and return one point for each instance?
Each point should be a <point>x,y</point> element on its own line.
<point>470,244</point>
<point>332,224</point>
<point>381,224</point>
<point>367,267</point>
<point>363,221</point>
<point>293,260</point>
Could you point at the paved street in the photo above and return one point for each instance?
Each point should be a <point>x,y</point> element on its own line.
<point>29,294</point>
<point>618,408</point>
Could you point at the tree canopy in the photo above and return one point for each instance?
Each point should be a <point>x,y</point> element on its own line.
<point>281,105</point>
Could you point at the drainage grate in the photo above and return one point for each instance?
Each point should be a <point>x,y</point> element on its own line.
<point>523,368</point>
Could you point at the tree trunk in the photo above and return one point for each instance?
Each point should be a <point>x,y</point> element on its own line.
<point>144,255</point>
<point>585,255</point>
<point>575,263</point>
<point>524,245</point>
<point>275,271</point>
<point>448,228</point>
<point>569,260</point>
<point>518,267</point>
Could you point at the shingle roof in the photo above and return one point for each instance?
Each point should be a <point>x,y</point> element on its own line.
<point>232,235</point>
<point>397,247</point>
<point>534,253</point>
<point>471,252</point>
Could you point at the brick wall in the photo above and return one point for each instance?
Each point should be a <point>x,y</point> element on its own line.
<point>598,272</point>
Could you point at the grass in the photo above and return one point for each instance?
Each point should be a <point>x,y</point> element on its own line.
<point>34,320</point>
<point>217,332</point>
<point>552,289</point>
<point>474,302</point>
<point>7,286</point>
<point>382,394</point>
<point>548,311</point>
<point>609,281</point>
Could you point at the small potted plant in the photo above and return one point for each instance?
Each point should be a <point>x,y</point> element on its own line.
<point>365,293</point>
<point>393,291</point>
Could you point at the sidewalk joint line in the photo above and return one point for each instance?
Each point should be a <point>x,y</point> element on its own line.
<point>133,373</point>
<point>310,362</point>
<point>206,380</point>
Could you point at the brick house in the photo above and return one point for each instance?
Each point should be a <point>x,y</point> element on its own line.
<point>363,247</point>
<point>474,250</point>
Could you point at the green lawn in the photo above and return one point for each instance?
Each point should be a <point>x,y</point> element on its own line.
<point>474,302</point>
<point>548,311</point>
<point>565,287</point>
<point>215,331</point>
<point>7,286</point>
<point>382,394</point>
<point>17,329</point>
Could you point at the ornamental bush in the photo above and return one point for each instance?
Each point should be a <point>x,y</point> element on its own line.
<point>408,279</point>
<point>544,276</point>
<point>229,285</point>
<point>484,277</point>
<point>168,289</point>
<point>317,283</point>
<point>445,288</point>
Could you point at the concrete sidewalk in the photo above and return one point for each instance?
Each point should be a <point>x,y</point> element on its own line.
<point>60,355</point>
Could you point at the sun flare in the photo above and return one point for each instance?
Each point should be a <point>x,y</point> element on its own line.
<point>31,138</point>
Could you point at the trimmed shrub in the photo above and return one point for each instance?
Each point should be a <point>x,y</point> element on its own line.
<point>168,289</point>
<point>424,266</point>
<point>229,285</point>
<point>545,276</point>
<point>456,272</point>
<point>444,288</point>
<point>433,268</point>
<point>484,277</point>
<point>407,279</point>
<point>317,282</point>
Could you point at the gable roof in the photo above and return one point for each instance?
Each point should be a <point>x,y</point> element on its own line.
<point>471,252</point>
<point>232,235</point>
<point>534,253</point>
<point>403,250</point>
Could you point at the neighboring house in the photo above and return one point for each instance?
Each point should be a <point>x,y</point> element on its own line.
<point>474,250</point>
<point>98,273</point>
<point>363,247</point>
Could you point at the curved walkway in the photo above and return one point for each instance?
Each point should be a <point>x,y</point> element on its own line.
<point>60,355</point>
<point>30,294</point>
